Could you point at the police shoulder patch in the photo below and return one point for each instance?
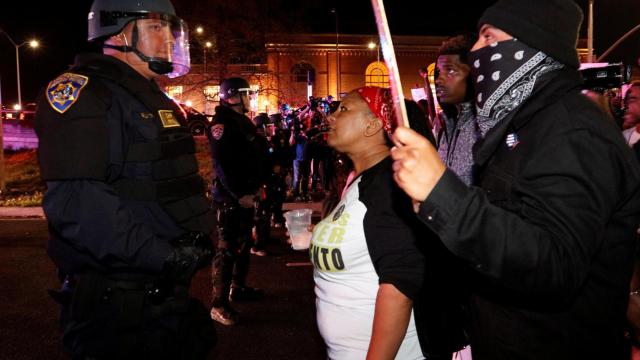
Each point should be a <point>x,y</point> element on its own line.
<point>65,90</point>
<point>217,130</point>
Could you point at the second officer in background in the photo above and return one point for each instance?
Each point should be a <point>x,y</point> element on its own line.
<point>240,160</point>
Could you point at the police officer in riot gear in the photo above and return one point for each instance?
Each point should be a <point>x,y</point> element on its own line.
<point>129,224</point>
<point>240,158</point>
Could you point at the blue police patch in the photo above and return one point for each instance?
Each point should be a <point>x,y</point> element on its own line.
<point>65,90</point>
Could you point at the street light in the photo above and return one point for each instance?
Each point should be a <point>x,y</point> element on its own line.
<point>334,11</point>
<point>207,45</point>
<point>618,42</point>
<point>371,45</point>
<point>33,44</point>
<point>612,47</point>
<point>590,33</point>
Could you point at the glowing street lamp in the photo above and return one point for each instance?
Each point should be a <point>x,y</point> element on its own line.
<point>334,11</point>
<point>371,45</point>
<point>33,44</point>
<point>207,45</point>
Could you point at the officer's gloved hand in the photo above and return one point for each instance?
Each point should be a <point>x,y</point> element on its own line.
<point>191,253</point>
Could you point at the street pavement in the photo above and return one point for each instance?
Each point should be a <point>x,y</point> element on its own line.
<point>280,326</point>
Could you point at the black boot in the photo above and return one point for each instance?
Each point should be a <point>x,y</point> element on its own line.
<point>245,293</point>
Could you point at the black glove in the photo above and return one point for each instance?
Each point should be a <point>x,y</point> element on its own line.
<point>191,253</point>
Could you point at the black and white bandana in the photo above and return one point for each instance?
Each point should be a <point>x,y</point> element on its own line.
<point>504,75</point>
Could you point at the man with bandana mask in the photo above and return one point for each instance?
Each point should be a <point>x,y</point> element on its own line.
<point>129,223</point>
<point>549,223</point>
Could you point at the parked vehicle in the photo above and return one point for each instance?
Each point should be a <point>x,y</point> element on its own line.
<point>196,121</point>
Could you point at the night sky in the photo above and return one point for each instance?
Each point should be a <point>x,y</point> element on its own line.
<point>62,29</point>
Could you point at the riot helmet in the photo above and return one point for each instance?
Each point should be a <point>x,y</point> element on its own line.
<point>154,21</point>
<point>235,86</point>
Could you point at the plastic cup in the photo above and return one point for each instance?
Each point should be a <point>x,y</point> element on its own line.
<point>297,222</point>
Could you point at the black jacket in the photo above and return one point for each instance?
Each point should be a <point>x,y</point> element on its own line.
<point>550,229</point>
<point>240,155</point>
<point>106,133</point>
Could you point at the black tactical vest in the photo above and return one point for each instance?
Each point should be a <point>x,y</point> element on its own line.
<point>156,161</point>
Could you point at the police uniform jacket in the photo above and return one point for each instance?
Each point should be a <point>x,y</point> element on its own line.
<point>240,156</point>
<point>122,179</point>
<point>550,229</point>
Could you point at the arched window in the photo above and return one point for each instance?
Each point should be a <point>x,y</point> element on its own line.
<point>303,72</point>
<point>377,75</point>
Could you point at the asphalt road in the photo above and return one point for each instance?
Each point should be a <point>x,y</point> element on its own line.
<point>281,326</point>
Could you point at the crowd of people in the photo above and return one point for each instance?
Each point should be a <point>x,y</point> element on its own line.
<point>504,226</point>
<point>299,148</point>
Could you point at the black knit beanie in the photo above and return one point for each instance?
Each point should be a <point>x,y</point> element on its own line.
<point>550,26</point>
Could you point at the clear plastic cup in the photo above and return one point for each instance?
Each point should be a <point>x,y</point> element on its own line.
<point>297,222</point>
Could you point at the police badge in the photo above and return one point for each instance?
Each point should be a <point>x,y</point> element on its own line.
<point>65,90</point>
<point>168,118</point>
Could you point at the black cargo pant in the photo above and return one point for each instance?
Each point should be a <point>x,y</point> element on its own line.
<point>231,262</point>
<point>103,318</point>
<point>262,220</point>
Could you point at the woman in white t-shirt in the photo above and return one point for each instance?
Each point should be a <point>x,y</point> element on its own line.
<point>369,265</point>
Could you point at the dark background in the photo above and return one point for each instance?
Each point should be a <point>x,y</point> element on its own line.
<point>61,28</point>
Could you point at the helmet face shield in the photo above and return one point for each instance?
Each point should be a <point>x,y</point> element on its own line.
<point>252,94</point>
<point>237,91</point>
<point>164,38</point>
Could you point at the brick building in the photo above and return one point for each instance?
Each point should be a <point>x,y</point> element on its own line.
<point>337,66</point>
<point>317,64</point>
<point>297,60</point>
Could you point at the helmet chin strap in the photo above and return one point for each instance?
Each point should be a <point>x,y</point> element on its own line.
<point>160,67</point>
<point>243,109</point>
<point>240,104</point>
